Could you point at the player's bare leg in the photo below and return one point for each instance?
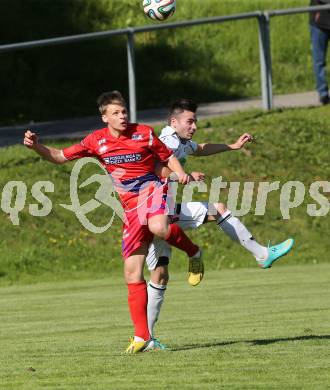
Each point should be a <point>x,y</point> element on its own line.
<point>137,298</point>
<point>175,236</point>
<point>237,231</point>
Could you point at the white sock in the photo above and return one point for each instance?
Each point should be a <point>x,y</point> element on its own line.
<point>234,228</point>
<point>156,294</point>
<point>138,339</point>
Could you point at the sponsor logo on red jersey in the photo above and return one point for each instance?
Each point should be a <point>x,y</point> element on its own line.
<point>137,137</point>
<point>123,158</point>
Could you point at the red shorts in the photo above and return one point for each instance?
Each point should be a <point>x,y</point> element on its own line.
<point>148,203</point>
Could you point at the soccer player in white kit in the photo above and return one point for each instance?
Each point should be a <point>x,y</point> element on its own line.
<point>178,137</point>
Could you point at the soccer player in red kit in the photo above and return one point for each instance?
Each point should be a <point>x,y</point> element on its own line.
<point>129,151</point>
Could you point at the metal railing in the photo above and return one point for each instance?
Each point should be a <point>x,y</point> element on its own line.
<point>263,18</point>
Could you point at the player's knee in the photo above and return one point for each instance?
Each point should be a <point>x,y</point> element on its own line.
<point>133,274</point>
<point>159,229</point>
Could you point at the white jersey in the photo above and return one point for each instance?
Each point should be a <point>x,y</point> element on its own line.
<point>192,214</point>
<point>181,148</point>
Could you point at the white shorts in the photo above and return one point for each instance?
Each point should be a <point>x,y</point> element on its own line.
<point>191,216</point>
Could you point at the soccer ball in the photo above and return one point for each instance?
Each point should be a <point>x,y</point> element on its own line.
<point>159,9</point>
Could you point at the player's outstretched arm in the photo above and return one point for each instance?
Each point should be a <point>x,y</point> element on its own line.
<point>51,154</point>
<point>209,149</point>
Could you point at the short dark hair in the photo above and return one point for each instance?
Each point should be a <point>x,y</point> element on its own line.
<point>181,105</point>
<point>111,97</point>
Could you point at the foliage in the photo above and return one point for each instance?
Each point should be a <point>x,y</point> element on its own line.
<point>209,62</point>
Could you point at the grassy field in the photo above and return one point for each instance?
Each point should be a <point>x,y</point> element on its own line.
<point>291,146</point>
<point>240,329</point>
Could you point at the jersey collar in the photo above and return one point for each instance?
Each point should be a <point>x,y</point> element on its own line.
<point>168,130</point>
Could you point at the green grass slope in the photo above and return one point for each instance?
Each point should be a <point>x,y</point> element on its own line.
<point>221,61</point>
<point>240,329</point>
<point>291,146</point>
<point>209,62</point>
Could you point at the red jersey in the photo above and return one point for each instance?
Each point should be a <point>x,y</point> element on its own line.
<point>134,152</point>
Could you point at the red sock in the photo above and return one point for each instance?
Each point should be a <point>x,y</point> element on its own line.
<point>137,303</point>
<point>178,238</point>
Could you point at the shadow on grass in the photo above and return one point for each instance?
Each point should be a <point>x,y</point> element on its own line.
<point>207,345</point>
<point>252,342</point>
<point>177,74</point>
<point>54,84</point>
<point>297,338</point>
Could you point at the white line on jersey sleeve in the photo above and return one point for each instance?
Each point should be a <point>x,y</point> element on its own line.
<point>63,155</point>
